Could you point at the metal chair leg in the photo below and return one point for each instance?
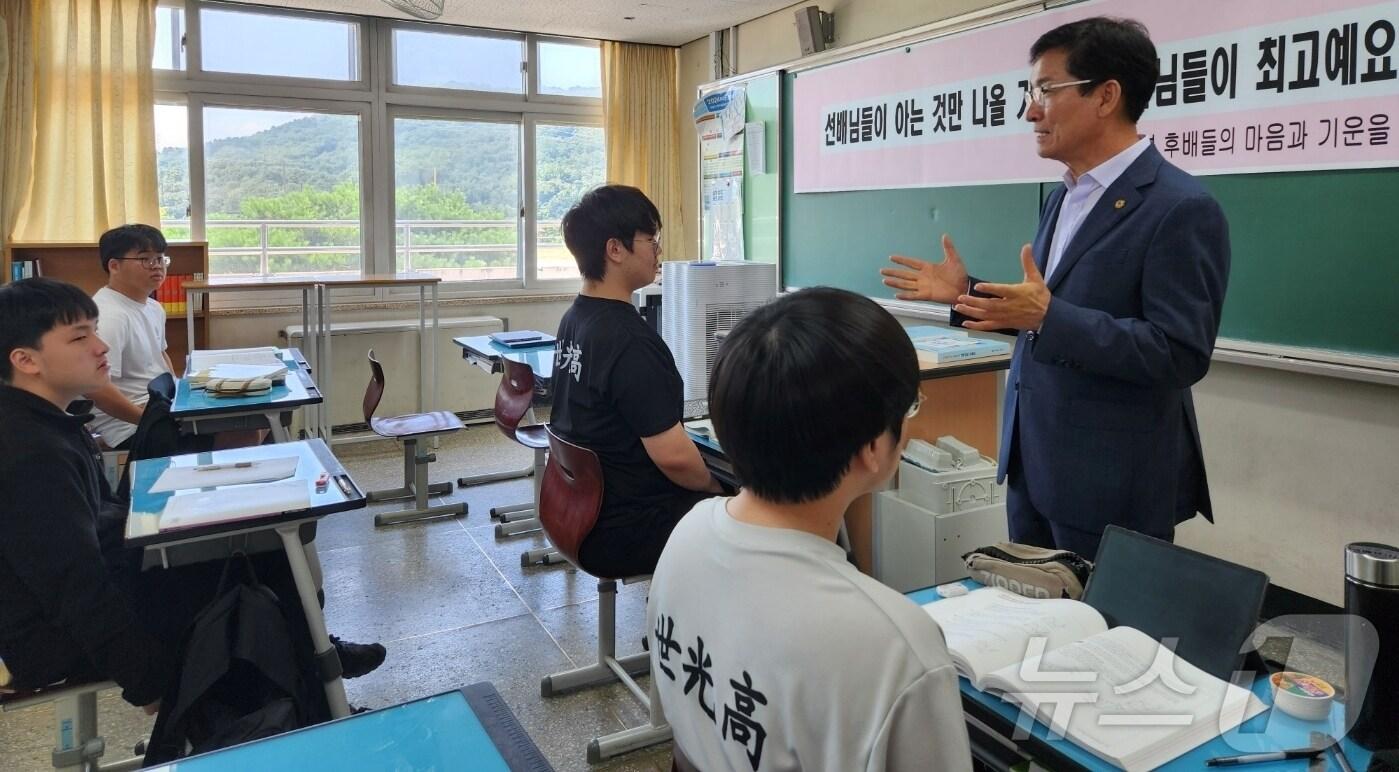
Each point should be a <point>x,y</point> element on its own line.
<point>416,486</point>
<point>608,669</point>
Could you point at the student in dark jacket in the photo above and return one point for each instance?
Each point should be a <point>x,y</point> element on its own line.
<point>72,610</point>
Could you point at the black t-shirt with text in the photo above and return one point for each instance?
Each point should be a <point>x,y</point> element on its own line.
<point>615,382</point>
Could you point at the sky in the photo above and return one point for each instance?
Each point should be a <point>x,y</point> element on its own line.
<point>237,41</point>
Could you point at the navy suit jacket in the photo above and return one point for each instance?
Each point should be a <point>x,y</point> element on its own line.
<point>1098,401</point>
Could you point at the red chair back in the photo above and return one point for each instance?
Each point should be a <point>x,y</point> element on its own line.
<point>513,397</point>
<point>375,390</point>
<point>570,496</point>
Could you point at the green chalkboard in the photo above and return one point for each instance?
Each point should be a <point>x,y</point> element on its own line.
<point>1315,254</point>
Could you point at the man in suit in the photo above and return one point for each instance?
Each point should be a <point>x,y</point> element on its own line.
<point>1117,314</point>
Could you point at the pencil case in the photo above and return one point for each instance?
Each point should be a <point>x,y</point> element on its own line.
<point>1034,572</point>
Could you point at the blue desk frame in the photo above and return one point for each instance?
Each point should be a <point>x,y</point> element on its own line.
<point>481,351</point>
<point>1268,731</point>
<point>469,729</point>
<point>201,414</point>
<point>143,529</point>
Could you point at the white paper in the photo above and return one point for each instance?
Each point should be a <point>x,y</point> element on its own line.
<point>247,372</point>
<point>755,146</point>
<point>198,508</point>
<point>179,478</point>
<point>262,355</point>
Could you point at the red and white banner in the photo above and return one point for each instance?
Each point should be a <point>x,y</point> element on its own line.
<point>1245,86</point>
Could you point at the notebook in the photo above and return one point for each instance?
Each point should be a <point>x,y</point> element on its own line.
<point>522,338</point>
<point>1117,693</point>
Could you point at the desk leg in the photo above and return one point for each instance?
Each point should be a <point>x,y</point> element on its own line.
<point>312,416</point>
<point>432,348</point>
<point>189,321</point>
<point>323,309</point>
<point>315,620</point>
<point>279,432</point>
<point>422,352</point>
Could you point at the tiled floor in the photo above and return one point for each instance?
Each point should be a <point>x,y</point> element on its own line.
<point>453,606</point>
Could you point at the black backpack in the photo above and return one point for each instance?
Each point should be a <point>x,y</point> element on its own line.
<point>240,678</point>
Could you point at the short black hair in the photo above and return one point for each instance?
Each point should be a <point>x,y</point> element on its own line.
<point>603,213</point>
<point>31,307</point>
<point>803,383</point>
<point>118,241</point>
<point>1100,49</point>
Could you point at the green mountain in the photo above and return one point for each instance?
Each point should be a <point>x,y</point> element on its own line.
<point>443,170</point>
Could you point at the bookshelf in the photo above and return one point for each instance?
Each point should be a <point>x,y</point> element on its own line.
<point>78,263</point>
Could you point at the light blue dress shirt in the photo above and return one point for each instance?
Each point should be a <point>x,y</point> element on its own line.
<point>1083,194</point>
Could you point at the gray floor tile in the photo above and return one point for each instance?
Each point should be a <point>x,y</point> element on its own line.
<point>411,581</point>
<point>541,587</point>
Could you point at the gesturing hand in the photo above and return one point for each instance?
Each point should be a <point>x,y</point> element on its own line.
<point>941,282</point>
<point>1017,306</point>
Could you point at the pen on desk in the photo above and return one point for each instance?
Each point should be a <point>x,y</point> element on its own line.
<point>346,485</point>
<point>217,467</point>
<point>1340,756</point>
<point>1256,758</point>
<point>1330,744</point>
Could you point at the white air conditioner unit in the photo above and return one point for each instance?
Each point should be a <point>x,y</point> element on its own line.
<point>700,303</point>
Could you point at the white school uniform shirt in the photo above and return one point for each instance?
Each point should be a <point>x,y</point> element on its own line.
<point>1081,196</point>
<point>771,652</point>
<point>135,335</point>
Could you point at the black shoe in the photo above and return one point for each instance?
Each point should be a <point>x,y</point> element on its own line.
<point>357,659</point>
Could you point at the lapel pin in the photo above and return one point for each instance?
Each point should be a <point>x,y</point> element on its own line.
<point>1119,203</point>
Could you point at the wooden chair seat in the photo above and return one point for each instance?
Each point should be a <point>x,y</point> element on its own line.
<point>415,424</point>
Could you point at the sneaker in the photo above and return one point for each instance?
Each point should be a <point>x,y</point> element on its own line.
<point>357,659</point>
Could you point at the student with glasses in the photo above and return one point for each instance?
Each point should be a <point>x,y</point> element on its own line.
<point>617,391</point>
<point>132,326</point>
<point>1118,311</point>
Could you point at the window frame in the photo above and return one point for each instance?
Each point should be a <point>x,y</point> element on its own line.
<point>194,50</point>
<point>378,102</point>
<point>532,88</point>
<point>391,61</point>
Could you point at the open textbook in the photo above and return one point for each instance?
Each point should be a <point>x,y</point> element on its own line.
<point>1116,692</point>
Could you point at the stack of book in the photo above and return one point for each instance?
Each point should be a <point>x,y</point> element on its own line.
<point>937,346</point>
<point>171,293</point>
<point>24,269</point>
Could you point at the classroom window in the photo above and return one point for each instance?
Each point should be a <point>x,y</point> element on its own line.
<point>457,198</point>
<point>172,169</point>
<point>282,192</point>
<point>569,162</point>
<point>265,138</point>
<point>169,51</point>
<point>570,69</point>
<point>458,61</point>
<point>258,43</point>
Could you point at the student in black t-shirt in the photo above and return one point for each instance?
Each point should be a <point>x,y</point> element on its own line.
<point>616,388</point>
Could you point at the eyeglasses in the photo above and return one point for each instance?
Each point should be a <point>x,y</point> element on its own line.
<point>153,261</point>
<point>656,239</point>
<point>916,406</point>
<point>1037,94</point>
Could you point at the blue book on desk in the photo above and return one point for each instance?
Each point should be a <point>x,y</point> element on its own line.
<point>954,345</point>
<point>522,338</point>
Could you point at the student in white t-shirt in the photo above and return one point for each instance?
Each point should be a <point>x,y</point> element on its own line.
<point>769,649</point>
<point>133,327</point>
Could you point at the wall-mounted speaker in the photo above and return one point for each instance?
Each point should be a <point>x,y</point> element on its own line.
<point>816,29</point>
